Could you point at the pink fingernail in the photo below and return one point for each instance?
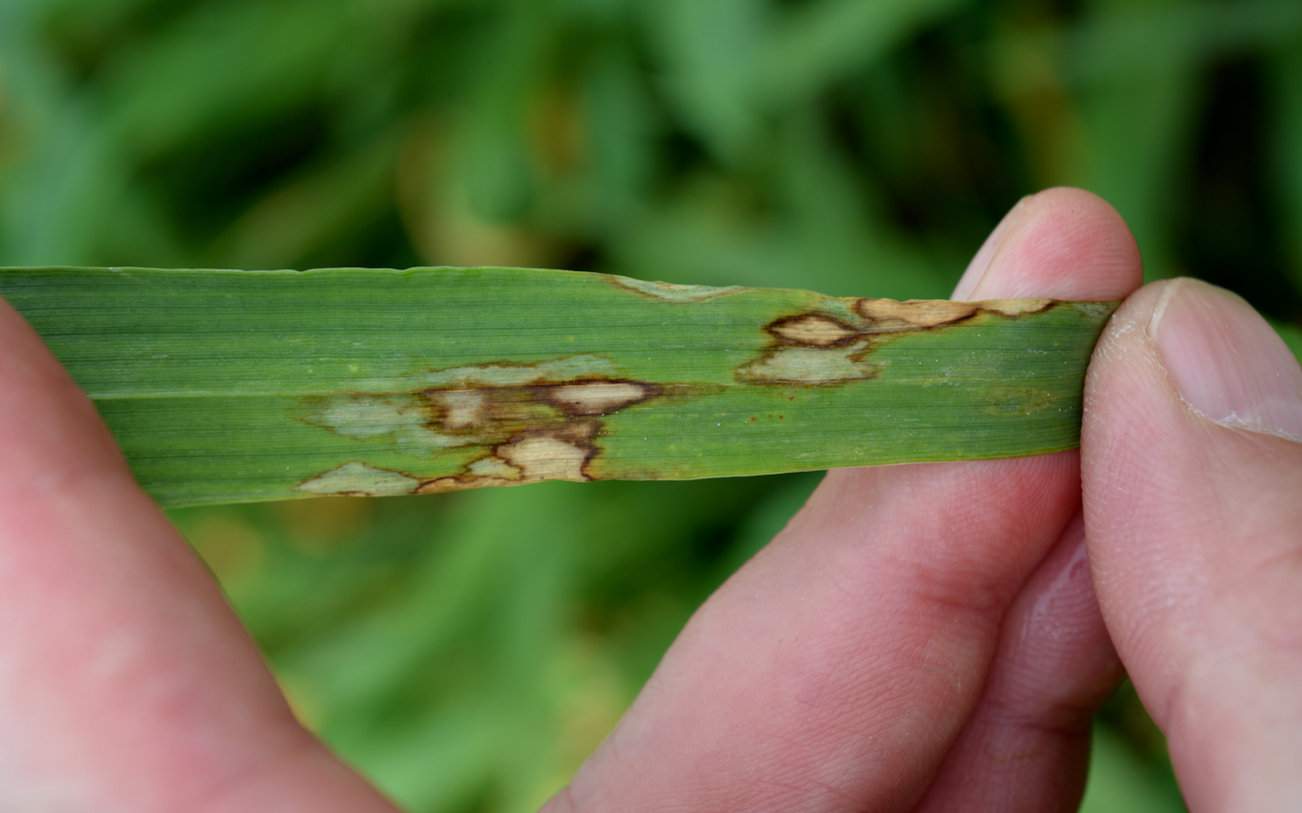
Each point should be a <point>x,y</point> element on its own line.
<point>1227,362</point>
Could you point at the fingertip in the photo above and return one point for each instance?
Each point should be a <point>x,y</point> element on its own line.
<point>1191,369</point>
<point>1062,243</point>
<point>1190,481</point>
<point>49,430</point>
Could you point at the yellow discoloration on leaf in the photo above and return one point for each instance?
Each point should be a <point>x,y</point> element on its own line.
<point>359,479</point>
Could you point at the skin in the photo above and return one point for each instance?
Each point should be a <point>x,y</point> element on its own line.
<point>919,637</point>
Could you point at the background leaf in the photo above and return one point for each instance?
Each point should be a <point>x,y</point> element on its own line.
<point>851,148</point>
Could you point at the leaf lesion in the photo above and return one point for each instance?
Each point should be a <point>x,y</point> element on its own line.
<point>529,424</point>
<point>832,344</point>
<point>672,292</point>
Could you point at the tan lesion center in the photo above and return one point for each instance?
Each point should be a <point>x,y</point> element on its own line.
<point>530,423</point>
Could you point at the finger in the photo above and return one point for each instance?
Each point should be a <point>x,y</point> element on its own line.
<point>1061,243</point>
<point>833,671</point>
<point>1026,746</point>
<point>1192,474</point>
<point>126,683</point>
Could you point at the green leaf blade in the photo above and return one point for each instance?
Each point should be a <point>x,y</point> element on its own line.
<point>227,386</point>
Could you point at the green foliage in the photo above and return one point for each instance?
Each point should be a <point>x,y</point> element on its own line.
<point>448,647</point>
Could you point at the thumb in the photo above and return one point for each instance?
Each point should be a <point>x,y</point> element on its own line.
<point>1192,474</point>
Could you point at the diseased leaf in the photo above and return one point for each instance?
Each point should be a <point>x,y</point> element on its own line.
<point>227,386</point>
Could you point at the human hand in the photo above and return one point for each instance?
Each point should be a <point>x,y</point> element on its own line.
<point>920,636</point>
<point>927,637</point>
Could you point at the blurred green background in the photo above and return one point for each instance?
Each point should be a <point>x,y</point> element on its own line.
<point>466,651</point>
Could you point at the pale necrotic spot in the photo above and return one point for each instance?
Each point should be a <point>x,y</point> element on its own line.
<point>813,329</point>
<point>894,316</point>
<point>518,375</point>
<point>671,292</point>
<point>544,457</point>
<point>494,468</point>
<point>495,374</point>
<point>403,417</point>
<point>462,409</point>
<point>486,471</point>
<point>359,479</point>
<point>1015,307</point>
<point>364,416</point>
<point>811,365</point>
<point>597,397</point>
<point>520,422</point>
